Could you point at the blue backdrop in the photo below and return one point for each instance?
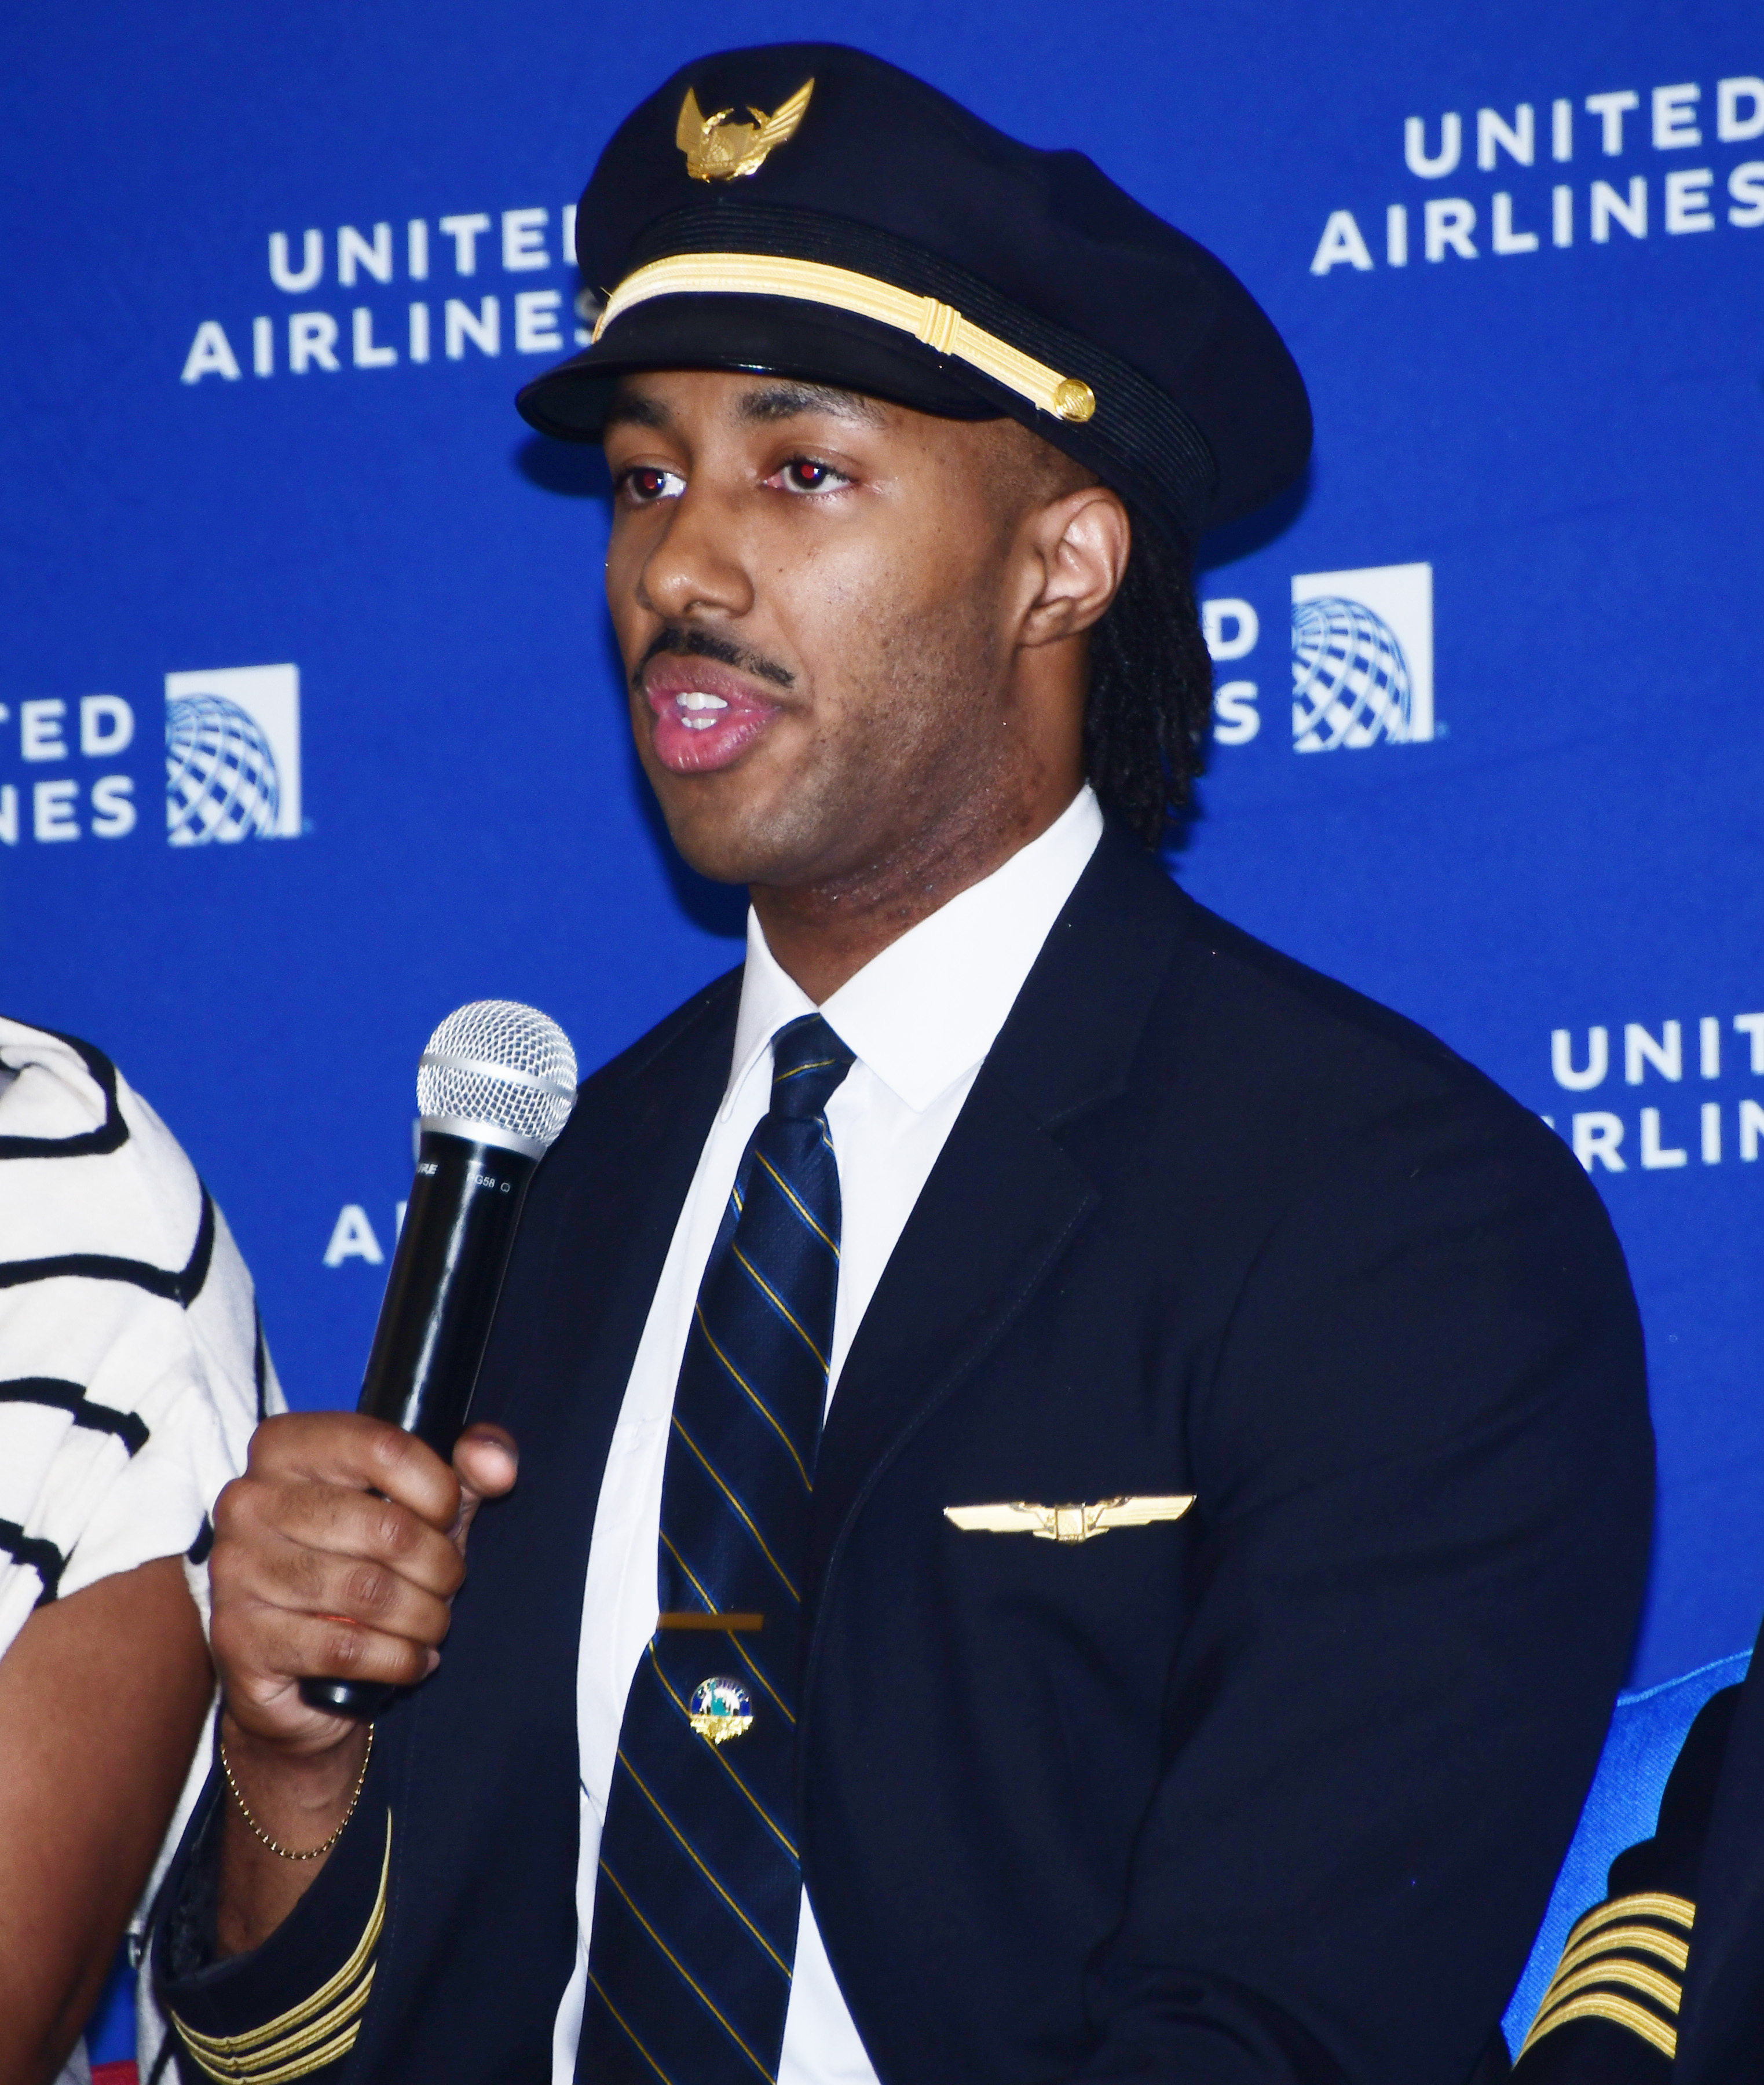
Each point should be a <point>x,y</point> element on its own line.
<point>1517,252</point>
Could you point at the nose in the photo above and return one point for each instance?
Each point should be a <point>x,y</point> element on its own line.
<point>695,567</point>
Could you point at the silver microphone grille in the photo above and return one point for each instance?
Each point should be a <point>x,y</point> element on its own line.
<point>500,1073</point>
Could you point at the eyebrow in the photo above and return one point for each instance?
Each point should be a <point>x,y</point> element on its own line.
<point>629,408</point>
<point>632,409</point>
<point>784,402</point>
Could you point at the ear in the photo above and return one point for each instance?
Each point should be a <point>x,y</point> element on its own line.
<point>1077,546</point>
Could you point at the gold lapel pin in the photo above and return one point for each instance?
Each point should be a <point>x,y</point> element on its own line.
<point>1066,1523</point>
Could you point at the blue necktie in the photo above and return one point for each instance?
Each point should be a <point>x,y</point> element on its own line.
<point>700,1887</point>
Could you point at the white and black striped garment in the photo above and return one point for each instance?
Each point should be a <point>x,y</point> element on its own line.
<point>132,1367</point>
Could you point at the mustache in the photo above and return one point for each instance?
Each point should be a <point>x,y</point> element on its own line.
<point>677,640</point>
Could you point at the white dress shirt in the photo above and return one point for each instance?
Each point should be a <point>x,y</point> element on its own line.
<point>920,1018</point>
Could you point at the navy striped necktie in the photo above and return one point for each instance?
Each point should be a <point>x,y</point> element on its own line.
<point>700,1887</point>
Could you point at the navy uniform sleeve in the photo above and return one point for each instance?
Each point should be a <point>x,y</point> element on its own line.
<point>1610,2016</point>
<point>1425,1462</point>
<point>291,2009</point>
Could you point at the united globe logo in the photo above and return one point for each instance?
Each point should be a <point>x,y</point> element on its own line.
<point>232,754</point>
<point>1362,658</point>
<point>220,779</point>
<point>1349,679</point>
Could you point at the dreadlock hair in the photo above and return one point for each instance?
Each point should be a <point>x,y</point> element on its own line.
<point>1151,700</point>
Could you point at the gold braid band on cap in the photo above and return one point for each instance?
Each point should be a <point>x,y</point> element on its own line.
<point>938,325</point>
<point>309,2037</point>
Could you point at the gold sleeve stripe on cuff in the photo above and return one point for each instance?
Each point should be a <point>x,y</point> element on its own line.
<point>1607,2005</point>
<point>938,325</point>
<point>1641,1939</point>
<point>1561,2002</point>
<point>1615,1969</point>
<point>1644,1904</point>
<point>306,2036</point>
<point>317,2046</point>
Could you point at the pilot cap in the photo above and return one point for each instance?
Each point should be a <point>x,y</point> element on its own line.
<point>810,211</point>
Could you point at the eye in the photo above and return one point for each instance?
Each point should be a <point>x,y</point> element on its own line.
<point>646,484</point>
<point>807,474</point>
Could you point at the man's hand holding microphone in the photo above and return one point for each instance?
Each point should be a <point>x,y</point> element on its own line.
<point>338,1555</point>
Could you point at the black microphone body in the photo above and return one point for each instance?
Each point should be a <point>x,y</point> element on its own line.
<point>435,1322</point>
<point>494,1089</point>
<point>447,1273</point>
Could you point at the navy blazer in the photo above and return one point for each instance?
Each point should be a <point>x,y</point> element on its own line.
<point>1721,2025</point>
<point>1276,1792</point>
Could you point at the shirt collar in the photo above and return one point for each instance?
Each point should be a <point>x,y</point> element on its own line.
<point>925,1012</point>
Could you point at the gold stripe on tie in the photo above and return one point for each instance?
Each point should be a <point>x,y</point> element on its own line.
<point>698,1861</point>
<point>710,1470</point>
<point>1067,1523</point>
<point>759,1403</point>
<point>687,1977</point>
<point>625,2024</point>
<point>796,1200</point>
<point>780,1305</point>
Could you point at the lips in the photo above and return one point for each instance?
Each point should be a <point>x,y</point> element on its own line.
<point>707,716</point>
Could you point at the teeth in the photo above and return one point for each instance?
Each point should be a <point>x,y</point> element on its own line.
<point>697,700</point>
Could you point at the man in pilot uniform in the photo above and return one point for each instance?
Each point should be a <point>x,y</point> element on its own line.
<point>1083,1491</point>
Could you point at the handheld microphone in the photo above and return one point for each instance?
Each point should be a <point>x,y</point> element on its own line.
<point>494,1088</point>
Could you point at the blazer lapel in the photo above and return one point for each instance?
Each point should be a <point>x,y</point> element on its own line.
<point>484,1864</point>
<point>1004,1196</point>
<point>575,1311</point>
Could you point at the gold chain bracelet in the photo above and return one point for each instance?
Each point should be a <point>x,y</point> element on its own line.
<point>257,1831</point>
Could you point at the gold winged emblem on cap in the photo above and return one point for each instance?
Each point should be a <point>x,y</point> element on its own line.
<point>717,150</point>
<point>1066,1523</point>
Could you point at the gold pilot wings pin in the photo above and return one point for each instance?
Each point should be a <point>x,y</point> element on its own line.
<point>717,150</point>
<point>1067,1523</point>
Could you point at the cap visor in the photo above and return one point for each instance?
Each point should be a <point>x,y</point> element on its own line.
<point>768,335</point>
